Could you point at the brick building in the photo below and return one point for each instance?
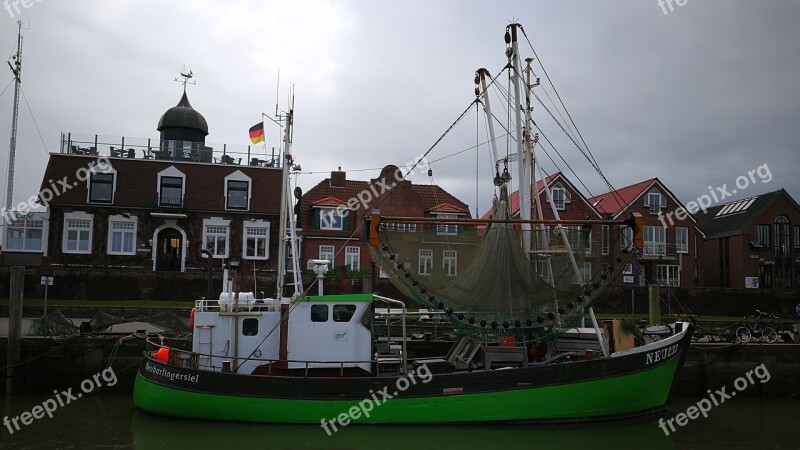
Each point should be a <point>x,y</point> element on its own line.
<point>754,239</point>
<point>341,238</point>
<point>153,205</point>
<point>673,243</point>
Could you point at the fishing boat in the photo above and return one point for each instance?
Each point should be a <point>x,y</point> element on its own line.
<point>520,353</point>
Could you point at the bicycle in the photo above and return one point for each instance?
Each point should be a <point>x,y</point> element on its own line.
<point>758,331</point>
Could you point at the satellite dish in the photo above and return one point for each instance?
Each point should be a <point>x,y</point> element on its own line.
<point>298,192</point>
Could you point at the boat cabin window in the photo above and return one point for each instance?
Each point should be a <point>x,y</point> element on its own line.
<point>343,313</point>
<point>249,327</point>
<point>319,313</point>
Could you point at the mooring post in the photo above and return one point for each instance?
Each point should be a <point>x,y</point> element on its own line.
<point>14,323</point>
<point>655,304</point>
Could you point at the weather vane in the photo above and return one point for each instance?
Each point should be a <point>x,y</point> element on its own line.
<point>186,77</point>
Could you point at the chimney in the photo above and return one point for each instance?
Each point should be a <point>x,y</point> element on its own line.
<point>338,178</point>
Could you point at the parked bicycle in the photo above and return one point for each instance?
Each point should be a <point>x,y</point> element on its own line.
<point>759,331</point>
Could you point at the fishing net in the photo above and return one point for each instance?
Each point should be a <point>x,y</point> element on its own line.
<point>479,276</point>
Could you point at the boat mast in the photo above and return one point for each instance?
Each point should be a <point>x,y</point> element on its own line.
<point>522,158</point>
<point>16,69</point>
<point>282,238</point>
<point>481,78</point>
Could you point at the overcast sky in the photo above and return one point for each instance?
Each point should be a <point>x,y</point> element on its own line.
<point>696,97</point>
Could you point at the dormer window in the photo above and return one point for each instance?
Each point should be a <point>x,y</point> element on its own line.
<point>171,188</point>
<point>330,219</point>
<point>237,191</point>
<point>655,201</point>
<point>101,188</point>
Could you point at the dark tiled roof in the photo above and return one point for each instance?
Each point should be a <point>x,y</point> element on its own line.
<point>137,183</point>
<point>717,225</point>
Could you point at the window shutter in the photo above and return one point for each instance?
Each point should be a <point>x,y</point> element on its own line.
<point>316,213</point>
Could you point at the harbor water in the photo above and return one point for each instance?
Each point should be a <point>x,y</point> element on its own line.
<point>110,421</point>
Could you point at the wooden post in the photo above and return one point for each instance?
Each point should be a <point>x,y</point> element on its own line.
<point>655,304</point>
<point>14,323</point>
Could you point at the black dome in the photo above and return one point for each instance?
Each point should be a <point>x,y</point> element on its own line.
<point>183,116</point>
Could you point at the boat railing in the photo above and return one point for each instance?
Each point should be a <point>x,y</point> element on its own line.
<point>191,360</point>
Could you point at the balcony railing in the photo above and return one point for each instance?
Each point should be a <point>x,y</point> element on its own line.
<point>169,150</point>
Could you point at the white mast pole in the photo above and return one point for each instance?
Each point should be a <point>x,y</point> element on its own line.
<point>522,162</point>
<point>488,111</point>
<point>286,161</point>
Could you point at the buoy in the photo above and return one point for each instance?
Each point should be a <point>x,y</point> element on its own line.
<point>191,321</point>
<point>162,354</point>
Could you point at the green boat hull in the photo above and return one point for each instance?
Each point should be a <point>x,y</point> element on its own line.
<point>635,393</point>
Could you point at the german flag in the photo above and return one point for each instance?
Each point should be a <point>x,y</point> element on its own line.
<point>257,133</point>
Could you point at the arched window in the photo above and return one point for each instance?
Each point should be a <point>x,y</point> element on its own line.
<point>782,243</point>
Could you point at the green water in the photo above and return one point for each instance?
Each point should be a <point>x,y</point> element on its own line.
<point>106,421</point>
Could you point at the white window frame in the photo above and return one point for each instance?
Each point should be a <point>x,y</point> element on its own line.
<point>626,238</point>
<point>655,240</point>
<point>126,220</point>
<point>352,257</point>
<point>764,233</point>
<point>110,171</point>
<point>171,171</point>
<point>586,273</point>
<point>332,214</point>
<point>681,248</point>
<point>78,216</point>
<point>541,241</point>
<point>797,237</point>
<point>220,223</point>
<point>543,269</point>
<point>450,262</point>
<point>605,239</point>
<point>25,225</point>
<point>446,230</point>
<point>628,269</point>
<point>239,176</point>
<point>260,225</point>
<point>327,252</point>
<point>660,203</point>
<point>425,265</point>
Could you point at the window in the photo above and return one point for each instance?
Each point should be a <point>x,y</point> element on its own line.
<point>560,196</point>
<point>576,234</point>
<point>256,239</point>
<point>628,270</point>
<point>237,191</point>
<point>655,201</point>
<point>764,236</point>
<point>330,219</point>
<point>101,188</point>
<point>121,235</point>
<point>237,194</point>
<point>765,277</point>
<point>655,241</point>
<point>682,240</point>
<point>171,187</point>
<point>425,261</point>
<point>627,238</point>
<point>77,233</point>
<point>543,270</point>
<point>446,229</point>
<point>215,236</point>
<point>319,313</point>
<point>781,238</point>
<point>352,257</point>
<point>326,252</point>
<point>343,313</point>
<point>797,236</point>
<point>171,192</point>
<point>541,240</point>
<point>668,275</point>
<point>605,236</point>
<point>450,263</point>
<point>25,235</point>
<point>249,327</point>
<point>586,273</point>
